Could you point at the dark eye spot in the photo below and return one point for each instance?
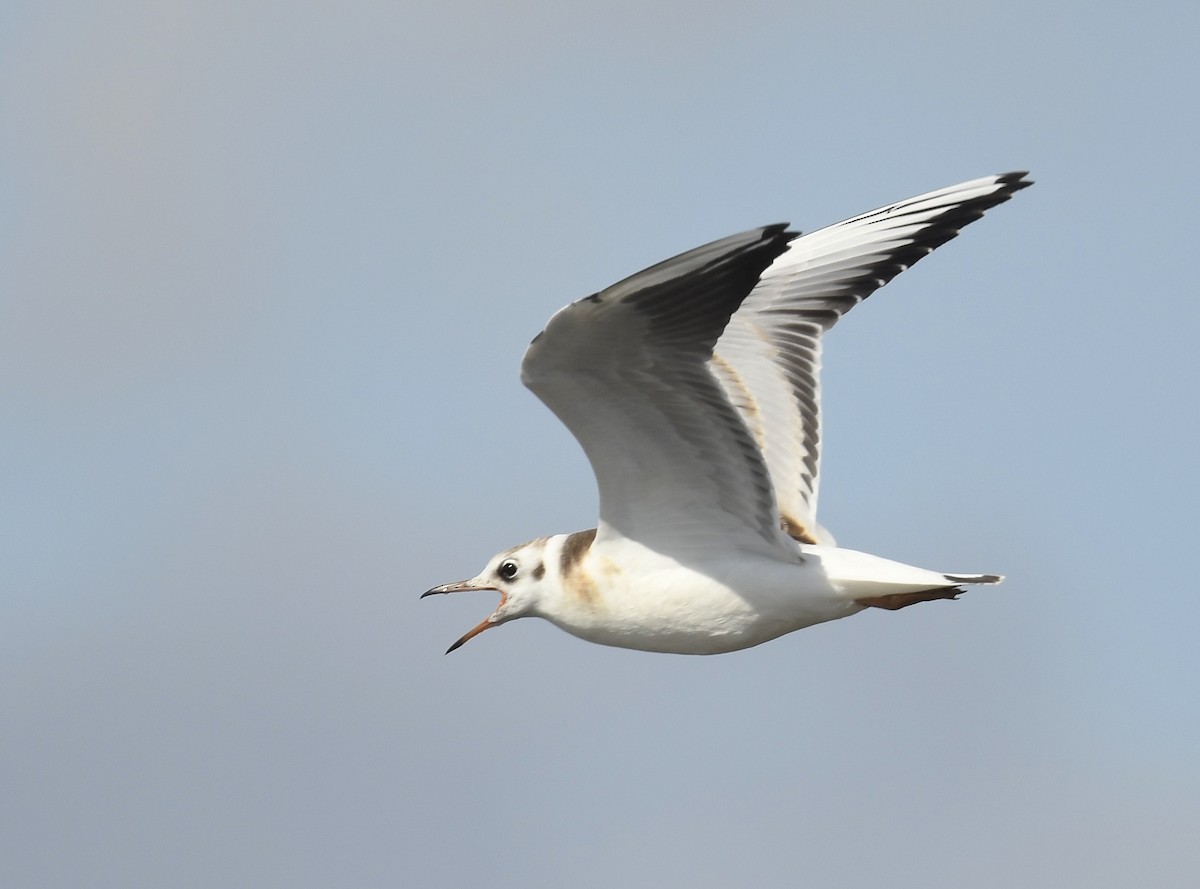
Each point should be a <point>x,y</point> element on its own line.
<point>508,569</point>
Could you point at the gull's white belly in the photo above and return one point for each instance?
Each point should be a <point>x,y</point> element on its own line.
<point>642,600</point>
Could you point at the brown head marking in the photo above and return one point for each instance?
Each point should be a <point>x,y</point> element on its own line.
<point>574,548</point>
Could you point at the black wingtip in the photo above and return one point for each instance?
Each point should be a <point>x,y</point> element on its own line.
<point>1015,180</point>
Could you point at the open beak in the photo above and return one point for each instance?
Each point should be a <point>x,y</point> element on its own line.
<point>464,586</point>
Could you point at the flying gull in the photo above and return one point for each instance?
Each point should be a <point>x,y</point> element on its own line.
<point>693,387</point>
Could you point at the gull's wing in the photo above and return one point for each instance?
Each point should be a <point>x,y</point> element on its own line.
<point>768,358</point>
<point>627,371</point>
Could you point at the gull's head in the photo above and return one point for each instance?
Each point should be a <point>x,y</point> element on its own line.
<point>517,574</point>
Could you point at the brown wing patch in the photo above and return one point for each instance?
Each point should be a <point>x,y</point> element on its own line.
<point>741,397</point>
<point>797,531</point>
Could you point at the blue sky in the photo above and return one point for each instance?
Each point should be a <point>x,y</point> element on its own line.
<point>267,271</point>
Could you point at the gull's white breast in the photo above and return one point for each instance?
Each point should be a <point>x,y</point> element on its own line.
<point>627,595</point>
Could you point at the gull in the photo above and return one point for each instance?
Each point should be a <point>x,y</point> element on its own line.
<point>693,388</point>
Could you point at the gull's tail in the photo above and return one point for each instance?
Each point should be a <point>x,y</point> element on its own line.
<point>974,578</point>
<point>874,582</point>
<point>896,601</point>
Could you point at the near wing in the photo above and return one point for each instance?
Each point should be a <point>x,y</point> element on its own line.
<point>768,358</point>
<point>627,371</point>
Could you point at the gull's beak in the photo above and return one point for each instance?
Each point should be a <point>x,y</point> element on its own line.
<point>471,634</point>
<point>464,586</point>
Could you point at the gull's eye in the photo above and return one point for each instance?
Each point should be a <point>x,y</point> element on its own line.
<point>508,569</point>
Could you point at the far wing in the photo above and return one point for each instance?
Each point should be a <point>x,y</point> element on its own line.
<point>769,357</point>
<point>627,371</point>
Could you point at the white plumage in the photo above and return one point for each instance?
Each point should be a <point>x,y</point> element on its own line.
<point>693,387</point>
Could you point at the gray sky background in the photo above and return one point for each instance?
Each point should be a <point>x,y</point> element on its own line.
<point>267,271</point>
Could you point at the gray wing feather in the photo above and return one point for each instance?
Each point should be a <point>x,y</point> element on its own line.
<point>768,358</point>
<point>627,371</point>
